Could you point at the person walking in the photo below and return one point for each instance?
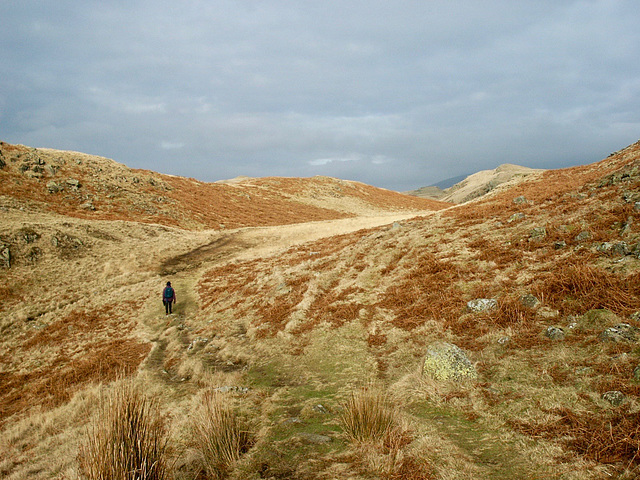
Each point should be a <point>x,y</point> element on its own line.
<point>168,297</point>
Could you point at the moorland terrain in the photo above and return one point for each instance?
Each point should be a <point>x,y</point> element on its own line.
<point>292,294</point>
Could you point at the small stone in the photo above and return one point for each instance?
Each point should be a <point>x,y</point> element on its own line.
<point>320,409</point>
<point>482,305</point>
<point>5,256</point>
<point>547,312</point>
<point>520,200</point>
<point>538,233</point>
<point>504,340</point>
<point>555,333</point>
<point>583,236</point>
<point>559,245</point>
<point>623,332</point>
<point>529,301</point>
<point>53,187</point>
<point>515,217</point>
<point>73,183</point>
<point>291,420</point>
<point>614,397</point>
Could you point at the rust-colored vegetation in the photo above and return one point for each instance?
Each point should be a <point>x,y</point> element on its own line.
<point>426,291</point>
<point>55,384</point>
<point>611,437</point>
<point>578,287</point>
<point>81,349</point>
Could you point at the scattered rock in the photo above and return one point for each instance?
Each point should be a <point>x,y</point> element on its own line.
<point>619,249</point>
<point>520,200</point>
<point>515,217</point>
<point>232,389</point>
<point>538,233</point>
<point>5,256</point>
<point>529,301</point>
<point>555,333</point>
<point>559,245</point>
<point>29,236</point>
<point>73,183</point>
<point>290,420</point>
<point>547,312</point>
<point>504,340</point>
<point>88,205</point>
<point>54,187</point>
<point>614,397</point>
<point>480,305</point>
<point>636,206</point>
<point>583,236</point>
<point>445,361</point>
<point>623,332</point>
<point>636,373</point>
<point>319,408</point>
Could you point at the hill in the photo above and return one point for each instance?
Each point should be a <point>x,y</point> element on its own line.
<point>90,187</point>
<point>537,282</point>
<point>476,185</point>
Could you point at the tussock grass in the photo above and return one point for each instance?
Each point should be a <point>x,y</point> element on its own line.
<point>127,440</point>
<point>368,416</point>
<point>220,437</point>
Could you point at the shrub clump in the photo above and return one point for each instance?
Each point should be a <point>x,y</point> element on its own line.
<point>368,416</point>
<point>127,440</point>
<point>220,436</point>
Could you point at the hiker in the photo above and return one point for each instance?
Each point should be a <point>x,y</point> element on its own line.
<point>168,297</point>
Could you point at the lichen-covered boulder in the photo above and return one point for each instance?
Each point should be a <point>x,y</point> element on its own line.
<point>445,361</point>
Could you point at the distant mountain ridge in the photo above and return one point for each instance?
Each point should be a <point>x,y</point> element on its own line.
<point>473,186</point>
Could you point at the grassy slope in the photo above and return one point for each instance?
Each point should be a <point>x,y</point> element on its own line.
<point>309,325</point>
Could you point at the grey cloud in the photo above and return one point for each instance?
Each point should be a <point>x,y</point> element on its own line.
<point>396,94</point>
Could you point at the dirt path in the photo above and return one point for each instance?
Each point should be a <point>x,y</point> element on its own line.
<point>260,242</point>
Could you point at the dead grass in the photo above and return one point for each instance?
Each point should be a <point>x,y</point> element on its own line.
<point>578,287</point>
<point>220,437</point>
<point>368,416</point>
<point>54,385</point>
<point>611,437</point>
<point>426,291</point>
<point>127,440</point>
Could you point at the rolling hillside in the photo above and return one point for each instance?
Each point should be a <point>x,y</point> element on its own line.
<point>346,287</point>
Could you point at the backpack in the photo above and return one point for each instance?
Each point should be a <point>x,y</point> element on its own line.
<point>168,293</point>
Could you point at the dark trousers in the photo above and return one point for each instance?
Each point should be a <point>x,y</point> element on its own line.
<point>167,306</point>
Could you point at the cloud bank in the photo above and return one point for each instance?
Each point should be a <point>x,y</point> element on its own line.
<point>395,94</point>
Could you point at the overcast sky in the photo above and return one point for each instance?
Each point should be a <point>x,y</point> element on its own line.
<point>398,94</point>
